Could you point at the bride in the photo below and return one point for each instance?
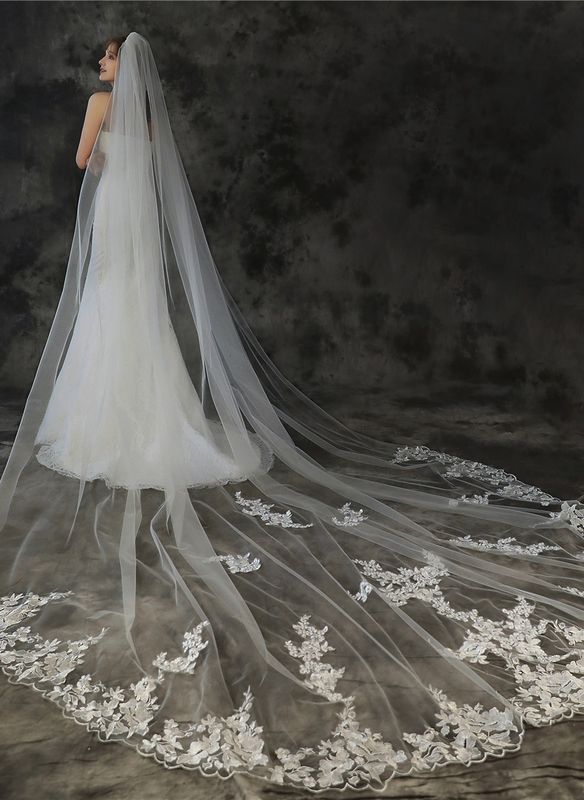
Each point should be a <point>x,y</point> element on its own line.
<point>201,563</point>
<point>149,420</point>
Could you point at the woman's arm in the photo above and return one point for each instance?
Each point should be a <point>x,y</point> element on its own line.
<point>96,108</point>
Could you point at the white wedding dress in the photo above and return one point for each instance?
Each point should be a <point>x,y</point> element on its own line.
<point>356,610</point>
<point>111,378</point>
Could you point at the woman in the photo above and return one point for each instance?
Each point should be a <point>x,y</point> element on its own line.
<point>134,433</point>
<point>335,619</point>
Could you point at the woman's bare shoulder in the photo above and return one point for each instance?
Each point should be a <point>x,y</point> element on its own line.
<point>99,97</point>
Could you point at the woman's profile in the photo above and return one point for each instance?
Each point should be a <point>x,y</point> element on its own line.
<point>202,563</point>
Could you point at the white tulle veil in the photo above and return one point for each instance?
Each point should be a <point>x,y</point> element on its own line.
<point>339,611</point>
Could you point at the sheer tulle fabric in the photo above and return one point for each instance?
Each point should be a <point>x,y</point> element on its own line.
<point>179,574</point>
<point>123,340</point>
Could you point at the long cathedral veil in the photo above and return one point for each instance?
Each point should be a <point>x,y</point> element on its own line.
<point>337,611</point>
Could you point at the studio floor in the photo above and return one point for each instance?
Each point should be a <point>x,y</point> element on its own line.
<point>47,757</point>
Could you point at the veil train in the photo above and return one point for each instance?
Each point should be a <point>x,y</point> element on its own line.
<point>198,561</point>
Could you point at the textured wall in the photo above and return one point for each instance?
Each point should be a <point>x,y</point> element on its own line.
<point>391,191</point>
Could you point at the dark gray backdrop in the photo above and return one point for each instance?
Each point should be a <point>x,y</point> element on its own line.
<point>392,191</point>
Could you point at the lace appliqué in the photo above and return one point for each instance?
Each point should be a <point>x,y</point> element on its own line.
<point>350,516</point>
<point>257,508</point>
<point>507,545</point>
<point>113,712</point>
<point>550,686</point>
<point>42,660</point>
<point>572,515</point>
<point>365,589</point>
<point>547,690</point>
<point>472,733</point>
<point>572,590</point>
<point>407,583</point>
<point>321,677</point>
<point>478,499</point>
<point>357,757</point>
<point>218,746</point>
<point>192,646</point>
<point>507,485</point>
<point>237,563</point>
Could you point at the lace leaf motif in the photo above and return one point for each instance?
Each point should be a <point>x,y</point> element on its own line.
<point>358,756</point>
<point>547,689</point>
<point>236,563</point>
<point>257,508</point>
<point>114,712</point>
<point>505,484</point>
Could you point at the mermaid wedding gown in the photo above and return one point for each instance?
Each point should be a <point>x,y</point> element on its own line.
<point>107,416</point>
<point>333,621</point>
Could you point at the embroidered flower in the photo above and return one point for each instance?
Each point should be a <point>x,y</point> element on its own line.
<point>507,545</point>
<point>192,646</point>
<point>237,563</point>
<point>257,508</point>
<point>350,517</point>
<point>354,756</point>
<point>506,485</point>
<point>571,514</point>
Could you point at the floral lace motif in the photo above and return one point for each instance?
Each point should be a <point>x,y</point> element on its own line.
<point>350,516</point>
<point>237,563</point>
<point>356,756</point>
<point>227,744</point>
<point>43,661</point>
<point>192,646</point>
<point>365,589</point>
<point>478,499</point>
<point>321,677</point>
<point>401,586</point>
<point>550,686</point>
<point>507,545</point>
<point>547,689</point>
<point>257,508</point>
<point>217,745</point>
<point>507,485</point>
<point>572,590</point>
<point>572,515</point>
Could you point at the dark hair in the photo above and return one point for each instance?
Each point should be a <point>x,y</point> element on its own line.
<point>119,40</point>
